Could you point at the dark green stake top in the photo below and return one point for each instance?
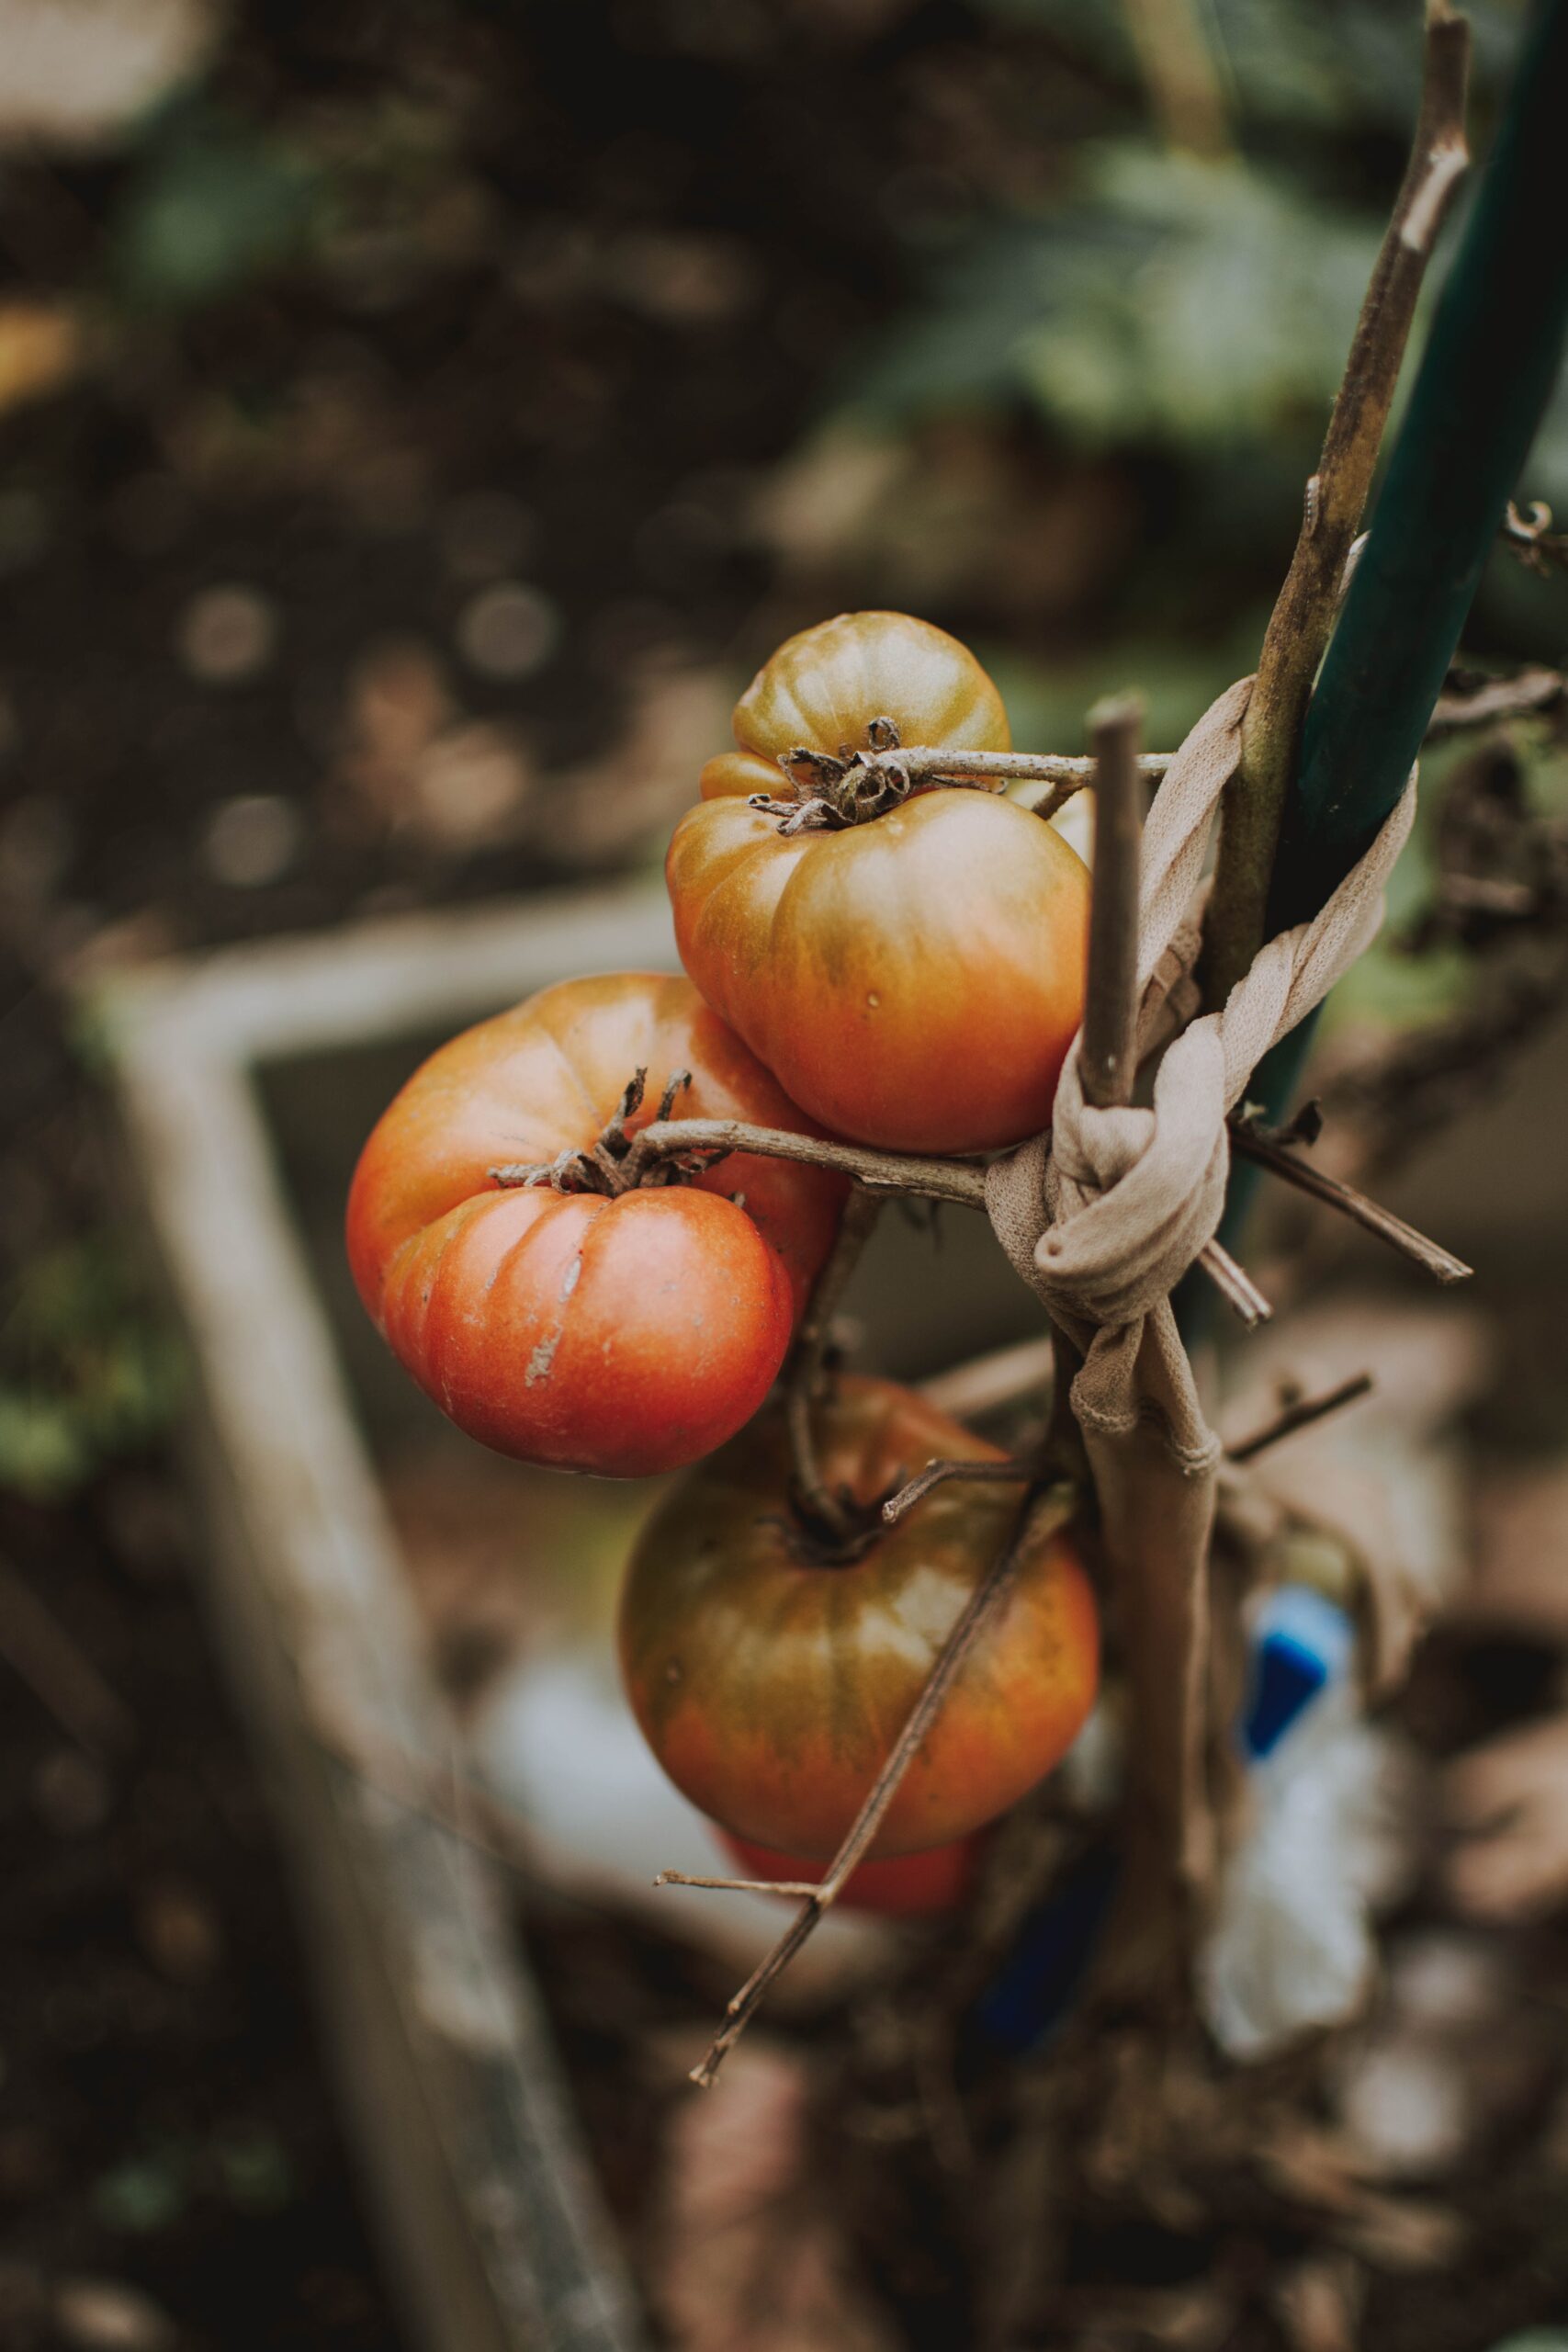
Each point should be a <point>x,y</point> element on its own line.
<point>1488,370</point>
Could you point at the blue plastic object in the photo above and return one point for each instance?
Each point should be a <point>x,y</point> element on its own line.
<point>1302,1644</point>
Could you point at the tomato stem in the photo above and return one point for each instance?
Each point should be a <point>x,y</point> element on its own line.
<point>820,1511</point>
<point>837,793</point>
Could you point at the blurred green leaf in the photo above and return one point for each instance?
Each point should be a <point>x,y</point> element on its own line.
<point>86,1370</point>
<point>215,201</point>
<point>1324,65</point>
<point>255,2170</point>
<point>1174,301</point>
<point>147,2192</point>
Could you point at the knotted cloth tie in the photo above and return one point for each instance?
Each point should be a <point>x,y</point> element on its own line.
<point>1103,1218</point>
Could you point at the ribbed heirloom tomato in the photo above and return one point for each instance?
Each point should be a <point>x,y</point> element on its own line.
<point>914,978</point>
<point>773,1685</point>
<point>621,1332</point>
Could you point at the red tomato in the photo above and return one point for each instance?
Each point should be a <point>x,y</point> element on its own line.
<point>772,1687</point>
<point>914,980</point>
<point>902,1886</point>
<point>624,1335</point>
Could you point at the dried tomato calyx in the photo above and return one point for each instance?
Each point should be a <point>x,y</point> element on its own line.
<point>832,792</point>
<point>601,1168</point>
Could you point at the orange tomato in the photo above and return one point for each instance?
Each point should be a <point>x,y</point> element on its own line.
<point>624,1335</point>
<point>914,980</point>
<point>772,1687</point>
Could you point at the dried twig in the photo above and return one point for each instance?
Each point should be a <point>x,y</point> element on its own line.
<point>922,762</point>
<point>939,1474</point>
<point>1234,1284</point>
<point>963,1181</point>
<point>803,1380</point>
<point>1053,1505</point>
<point>1108,1049</point>
<point>1300,1414</point>
<point>1532,691</point>
<point>1440,1263</point>
<point>1304,615</point>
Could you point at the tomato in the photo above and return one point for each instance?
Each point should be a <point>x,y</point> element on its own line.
<point>624,1334</point>
<point>913,979</point>
<point>773,1685</point>
<point>901,1886</point>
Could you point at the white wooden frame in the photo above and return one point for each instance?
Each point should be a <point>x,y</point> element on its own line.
<point>490,2219</point>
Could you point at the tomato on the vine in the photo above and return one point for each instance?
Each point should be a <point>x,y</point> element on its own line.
<point>772,1680</point>
<point>619,1331</point>
<point>913,977</point>
<point>899,1886</point>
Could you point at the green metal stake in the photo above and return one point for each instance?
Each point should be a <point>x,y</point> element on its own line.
<point>1488,370</point>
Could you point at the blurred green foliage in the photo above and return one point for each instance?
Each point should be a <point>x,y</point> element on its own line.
<point>1170,300</point>
<point>87,1370</point>
<point>1332,64</point>
<point>213,201</point>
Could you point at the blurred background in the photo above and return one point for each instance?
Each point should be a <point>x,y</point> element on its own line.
<point>415,425</point>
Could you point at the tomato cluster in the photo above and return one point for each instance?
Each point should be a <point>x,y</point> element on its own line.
<point>898,956</point>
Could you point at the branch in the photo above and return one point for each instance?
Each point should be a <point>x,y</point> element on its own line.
<point>938,1474</point>
<point>963,1181</point>
<point>1108,1047</point>
<point>930,762</point>
<point>1440,1263</point>
<point>1302,617</point>
<point>1300,1415</point>
<point>1055,1506</point>
<point>804,1377</point>
<point>1234,1285</point>
<point>1520,697</point>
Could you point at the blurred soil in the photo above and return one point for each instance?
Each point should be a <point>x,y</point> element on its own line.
<point>170,2165</point>
<point>309,585</point>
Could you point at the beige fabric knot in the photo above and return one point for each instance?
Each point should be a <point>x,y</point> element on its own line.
<point>1103,1218</point>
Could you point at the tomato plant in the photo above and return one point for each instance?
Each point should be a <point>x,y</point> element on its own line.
<point>900,1886</point>
<point>624,1332</point>
<point>914,980</point>
<point>773,1681</point>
